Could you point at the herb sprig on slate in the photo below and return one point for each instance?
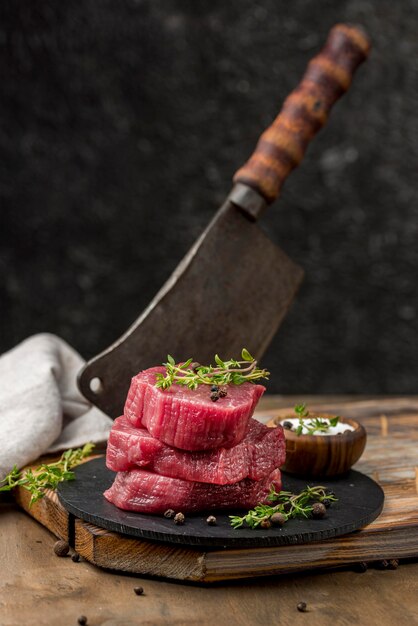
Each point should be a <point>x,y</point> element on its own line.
<point>314,425</point>
<point>191,374</point>
<point>289,505</point>
<point>47,475</point>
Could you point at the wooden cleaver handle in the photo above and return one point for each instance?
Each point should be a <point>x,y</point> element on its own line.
<point>282,146</point>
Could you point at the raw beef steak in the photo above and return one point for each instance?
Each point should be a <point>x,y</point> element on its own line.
<point>256,456</point>
<point>189,419</point>
<point>146,492</point>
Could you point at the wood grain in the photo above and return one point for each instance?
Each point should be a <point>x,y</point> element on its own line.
<point>283,145</point>
<point>391,458</point>
<point>316,456</point>
<point>38,588</point>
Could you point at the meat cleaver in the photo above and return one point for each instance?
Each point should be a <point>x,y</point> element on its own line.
<point>234,286</point>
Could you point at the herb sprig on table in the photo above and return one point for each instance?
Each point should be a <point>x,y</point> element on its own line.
<point>47,475</point>
<point>191,374</point>
<point>311,502</point>
<point>314,425</point>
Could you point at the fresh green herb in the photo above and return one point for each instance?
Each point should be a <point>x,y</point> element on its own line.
<point>314,425</point>
<point>301,410</point>
<point>289,505</point>
<point>191,374</point>
<point>321,425</point>
<point>46,476</point>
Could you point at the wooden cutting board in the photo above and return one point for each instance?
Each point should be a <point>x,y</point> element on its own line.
<point>391,458</point>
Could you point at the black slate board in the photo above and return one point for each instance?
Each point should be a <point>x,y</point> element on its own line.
<point>360,501</point>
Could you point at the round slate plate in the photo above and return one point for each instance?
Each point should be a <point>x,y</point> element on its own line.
<point>360,500</point>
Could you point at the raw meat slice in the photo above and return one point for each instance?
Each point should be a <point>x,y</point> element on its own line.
<point>146,492</point>
<point>189,419</point>
<point>256,456</point>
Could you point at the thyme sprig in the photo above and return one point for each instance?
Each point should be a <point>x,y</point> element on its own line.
<point>47,475</point>
<point>314,425</point>
<point>289,505</point>
<point>191,374</point>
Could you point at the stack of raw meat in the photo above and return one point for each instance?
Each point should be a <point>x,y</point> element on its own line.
<point>177,449</point>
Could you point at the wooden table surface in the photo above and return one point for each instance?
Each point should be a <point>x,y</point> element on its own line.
<point>37,587</point>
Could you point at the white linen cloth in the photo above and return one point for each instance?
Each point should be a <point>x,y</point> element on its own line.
<point>41,408</point>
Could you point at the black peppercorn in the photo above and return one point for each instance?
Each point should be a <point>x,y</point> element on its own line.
<point>393,564</point>
<point>326,503</point>
<point>169,513</point>
<point>139,591</point>
<point>265,523</point>
<point>214,388</point>
<point>302,607</point>
<point>61,548</point>
<point>318,510</point>
<point>211,520</point>
<point>223,392</point>
<point>82,620</point>
<point>214,396</point>
<point>179,518</point>
<point>278,519</point>
<point>75,557</point>
<point>287,425</point>
<point>360,568</point>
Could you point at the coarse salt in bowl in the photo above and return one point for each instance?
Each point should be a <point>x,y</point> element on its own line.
<point>322,454</point>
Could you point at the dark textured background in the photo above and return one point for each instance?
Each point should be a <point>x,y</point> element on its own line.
<point>121,125</point>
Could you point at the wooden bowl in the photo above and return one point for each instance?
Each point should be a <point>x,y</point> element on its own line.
<point>322,455</point>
